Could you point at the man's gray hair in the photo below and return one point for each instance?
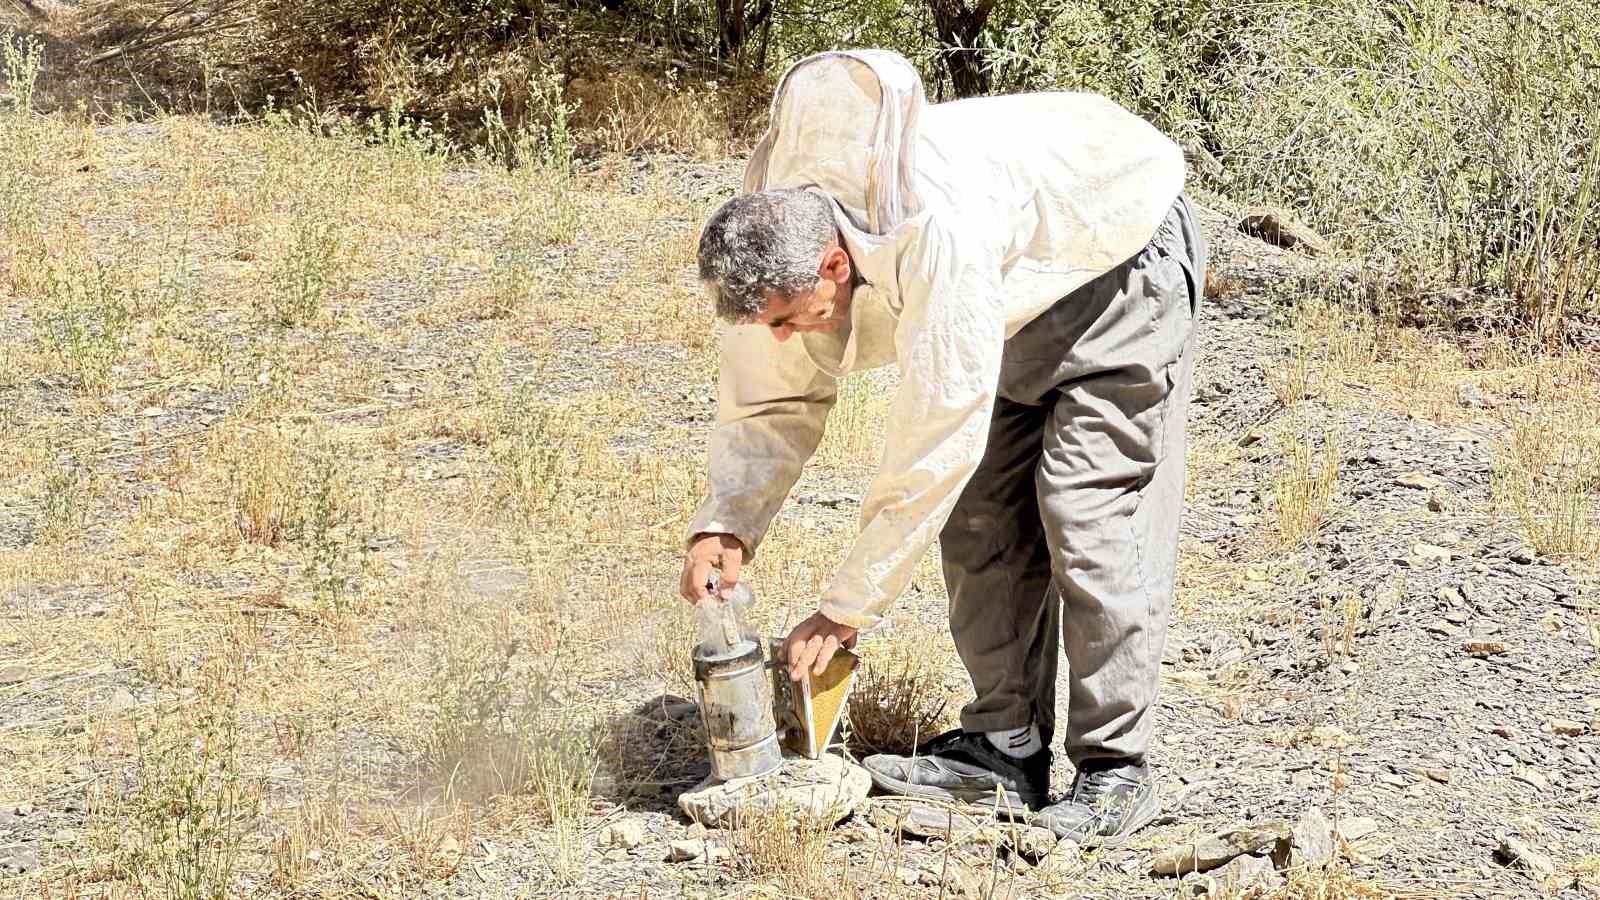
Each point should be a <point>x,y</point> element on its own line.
<point>769,241</point>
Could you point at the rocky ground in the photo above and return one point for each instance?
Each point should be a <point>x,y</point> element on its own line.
<point>1404,705</point>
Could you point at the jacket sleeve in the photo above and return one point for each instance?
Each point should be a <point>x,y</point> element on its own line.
<point>949,341</point>
<point>773,402</point>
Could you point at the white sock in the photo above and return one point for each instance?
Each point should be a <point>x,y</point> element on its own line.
<point>1017,743</point>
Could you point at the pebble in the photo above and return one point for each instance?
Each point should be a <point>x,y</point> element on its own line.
<point>1418,481</point>
<point>1518,853</point>
<point>122,698</point>
<point>1567,727</point>
<point>24,809</point>
<point>15,674</point>
<point>684,851</point>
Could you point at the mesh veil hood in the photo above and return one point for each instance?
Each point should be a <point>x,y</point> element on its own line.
<point>846,122</point>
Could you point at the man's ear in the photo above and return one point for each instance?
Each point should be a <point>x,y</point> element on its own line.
<point>835,265</point>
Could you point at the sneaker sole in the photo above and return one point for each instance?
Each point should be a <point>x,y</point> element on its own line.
<point>984,798</point>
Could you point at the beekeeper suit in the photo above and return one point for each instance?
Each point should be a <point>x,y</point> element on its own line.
<point>1030,266</point>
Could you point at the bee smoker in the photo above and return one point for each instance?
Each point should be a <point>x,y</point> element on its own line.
<point>735,691</point>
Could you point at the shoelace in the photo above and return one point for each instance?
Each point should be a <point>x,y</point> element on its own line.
<point>1093,788</point>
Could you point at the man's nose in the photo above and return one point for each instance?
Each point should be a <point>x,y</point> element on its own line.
<point>782,332</point>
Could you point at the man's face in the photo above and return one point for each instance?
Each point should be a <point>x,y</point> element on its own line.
<point>826,307</point>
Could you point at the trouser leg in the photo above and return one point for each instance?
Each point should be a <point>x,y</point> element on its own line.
<point>1003,609</point>
<point>1110,481</point>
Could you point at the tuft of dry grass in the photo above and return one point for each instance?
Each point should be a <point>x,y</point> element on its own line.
<point>1304,486</point>
<point>781,844</point>
<point>1546,478</point>
<point>899,699</point>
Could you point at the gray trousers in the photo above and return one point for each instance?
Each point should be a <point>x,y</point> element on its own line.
<point>1069,527</point>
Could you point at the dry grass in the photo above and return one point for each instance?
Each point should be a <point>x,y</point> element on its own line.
<point>1304,486</point>
<point>1547,477</point>
<point>899,698</point>
<point>781,845</point>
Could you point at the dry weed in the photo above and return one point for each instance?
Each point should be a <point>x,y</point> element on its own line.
<point>785,845</point>
<point>899,698</point>
<point>1546,477</point>
<point>1303,488</point>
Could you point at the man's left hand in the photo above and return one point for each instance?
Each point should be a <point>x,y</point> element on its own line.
<point>813,643</point>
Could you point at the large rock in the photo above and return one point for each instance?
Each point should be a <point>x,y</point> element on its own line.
<point>1276,226</point>
<point>1215,850</point>
<point>825,791</point>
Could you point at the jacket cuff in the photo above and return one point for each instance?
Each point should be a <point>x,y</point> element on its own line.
<point>853,618</point>
<point>745,535</point>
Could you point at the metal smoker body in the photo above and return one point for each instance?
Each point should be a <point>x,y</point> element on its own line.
<point>735,692</point>
<point>736,708</point>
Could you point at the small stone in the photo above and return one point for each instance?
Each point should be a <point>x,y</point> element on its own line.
<point>24,809</point>
<point>1440,775</point>
<point>1456,617</point>
<point>122,698</point>
<point>615,855</point>
<point>14,674</point>
<point>1567,727</point>
<point>1418,481</point>
<point>1312,842</point>
<point>1468,395</point>
<point>64,836</point>
<point>1304,780</point>
<point>150,412</point>
<point>1514,852</point>
<point>1483,649</point>
<point>1356,827</point>
<point>1035,843</point>
<point>1506,731</point>
<point>685,851</point>
<point>626,834</point>
<point>1214,850</point>
<point>1428,551</point>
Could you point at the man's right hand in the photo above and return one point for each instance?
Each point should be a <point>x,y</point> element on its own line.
<point>707,552</point>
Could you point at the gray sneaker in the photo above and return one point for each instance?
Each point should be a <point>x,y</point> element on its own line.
<point>962,767</point>
<point>1109,801</point>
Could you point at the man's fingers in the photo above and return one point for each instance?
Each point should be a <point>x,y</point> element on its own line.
<point>829,648</point>
<point>695,590</point>
<point>732,559</point>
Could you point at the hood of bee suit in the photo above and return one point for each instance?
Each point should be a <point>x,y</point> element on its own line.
<point>846,122</point>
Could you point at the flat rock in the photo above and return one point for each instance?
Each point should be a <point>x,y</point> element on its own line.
<point>824,790</point>
<point>1418,481</point>
<point>14,674</point>
<point>924,820</point>
<point>1312,841</point>
<point>1239,876</point>
<point>1277,227</point>
<point>1483,649</point>
<point>1355,828</point>
<point>19,861</point>
<point>1567,727</point>
<point>1215,850</point>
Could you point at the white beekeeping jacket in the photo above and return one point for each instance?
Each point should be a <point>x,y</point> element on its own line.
<point>966,220</point>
